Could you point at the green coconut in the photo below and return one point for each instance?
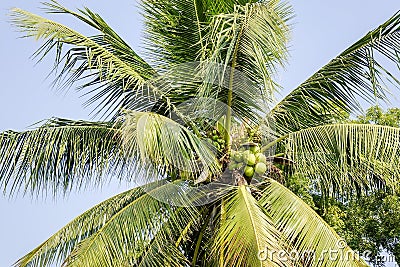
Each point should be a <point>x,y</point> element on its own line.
<point>238,157</point>
<point>251,159</point>
<point>239,165</point>
<point>260,168</point>
<point>232,166</point>
<point>246,154</point>
<point>255,149</point>
<point>248,171</point>
<point>260,157</point>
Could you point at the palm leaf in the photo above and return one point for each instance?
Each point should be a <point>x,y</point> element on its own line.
<point>55,249</point>
<point>174,29</point>
<point>129,232</point>
<point>309,234</point>
<point>342,158</point>
<point>177,233</point>
<point>358,72</point>
<point>241,52</point>
<point>167,146</point>
<point>109,68</point>
<point>245,230</point>
<point>60,155</point>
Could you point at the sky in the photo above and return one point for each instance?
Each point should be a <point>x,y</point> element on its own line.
<point>321,30</point>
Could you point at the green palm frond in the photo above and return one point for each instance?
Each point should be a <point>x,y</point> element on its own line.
<point>55,249</point>
<point>167,145</point>
<point>175,232</point>
<point>263,45</point>
<point>252,39</point>
<point>310,236</point>
<point>345,157</point>
<point>195,239</point>
<point>171,26</point>
<point>108,68</point>
<point>175,29</point>
<point>60,155</point>
<point>130,232</point>
<point>245,229</point>
<point>358,72</point>
<point>241,52</point>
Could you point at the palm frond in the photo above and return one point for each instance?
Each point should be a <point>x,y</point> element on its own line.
<point>244,231</point>
<point>240,55</point>
<point>175,29</point>
<point>55,249</point>
<point>60,155</point>
<point>263,45</point>
<point>343,158</point>
<point>311,237</point>
<point>173,254</point>
<point>167,145</point>
<point>362,72</point>
<point>107,67</point>
<point>131,231</point>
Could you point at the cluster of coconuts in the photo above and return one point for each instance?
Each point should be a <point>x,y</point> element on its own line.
<point>216,139</point>
<point>251,161</point>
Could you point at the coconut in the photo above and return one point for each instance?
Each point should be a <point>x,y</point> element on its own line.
<point>260,168</point>
<point>251,159</point>
<point>239,166</point>
<point>232,166</point>
<point>245,155</point>
<point>248,171</point>
<point>260,157</point>
<point>217,146</point>
<point>237,156</point>
<point>255,149</point>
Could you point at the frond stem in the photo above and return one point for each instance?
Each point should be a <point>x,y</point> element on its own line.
<point>228,119</point>
<point>269,145</point>
<point>198,243</point>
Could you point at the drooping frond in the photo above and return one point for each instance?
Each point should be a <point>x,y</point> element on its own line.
<point>145,228</point>
<point>347,157</point>
<point>124,238</point>
<point>170,238</point>
<point>167,145</point>
<point>55,249</point>
<point>107,67</point>
<point>361,72</point>
<point>245,230</point>
<point>313,241</point>
<point>60,155</point>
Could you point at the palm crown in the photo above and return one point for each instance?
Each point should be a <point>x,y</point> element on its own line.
<point>181,122</point>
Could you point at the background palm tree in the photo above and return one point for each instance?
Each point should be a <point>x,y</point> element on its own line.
<point>135,228</point>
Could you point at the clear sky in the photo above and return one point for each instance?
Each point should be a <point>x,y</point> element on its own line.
<point>322,29</point>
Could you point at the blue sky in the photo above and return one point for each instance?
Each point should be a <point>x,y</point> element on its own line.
<point>322,29</point>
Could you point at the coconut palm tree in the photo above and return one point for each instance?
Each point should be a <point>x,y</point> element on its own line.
<point>190,121</point>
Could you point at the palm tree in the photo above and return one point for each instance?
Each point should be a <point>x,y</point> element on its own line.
<point>179,120</point>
